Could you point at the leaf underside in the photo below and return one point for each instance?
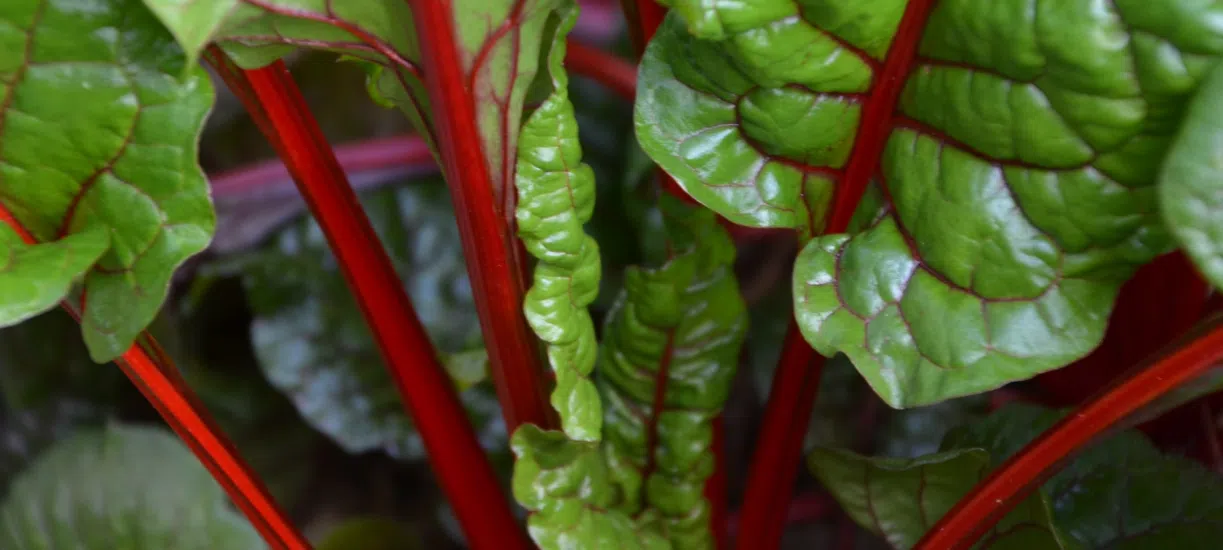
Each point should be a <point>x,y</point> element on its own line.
<point>1017,174</point>
<point>99,126</point>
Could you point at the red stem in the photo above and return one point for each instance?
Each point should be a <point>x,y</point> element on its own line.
<point>488,240</point>
<point>991,499</point>
<point>182,411</point>
<point>796,382</point>
<point>427,391</point>
<point>618,75</point>
<point>774,466</point>
<point>374,154</point>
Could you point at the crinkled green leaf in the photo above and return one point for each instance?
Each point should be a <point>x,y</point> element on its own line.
<point>129,487</point>
<point>1018,166</point>
<point>567,487</point>
<point>35,278</point>
<point>314,345</point>
<point>687,319</point>
<point>1191,182</point>
<point>98,135</point>
<point>1120,493</point>
<point>556,193</point>
<point>900,499</point>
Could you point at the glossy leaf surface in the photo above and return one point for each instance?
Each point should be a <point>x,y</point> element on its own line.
<point>900,499</point>
<point>99,126</point>
<point>1120,493</point>
<point>670,349</point>
<point>1018,166</point>
<point>133,487</point>
<point>556,194</point>
<point>568,488</point>
<point>1191,182</point>
<point>313,344</point>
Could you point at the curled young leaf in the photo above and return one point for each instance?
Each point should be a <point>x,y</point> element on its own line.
<point>556,194</point>
<point>99,126</point>
<point>567,487</point>
<point>670,350</point>
<point>1017,164</point>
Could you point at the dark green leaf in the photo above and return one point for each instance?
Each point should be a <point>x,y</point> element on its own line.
<point>314,345</point>
<point>128,487</point>
<point>1121,493</point>
<point>900,499</point>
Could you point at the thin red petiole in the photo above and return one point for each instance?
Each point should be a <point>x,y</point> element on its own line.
<point>618,75</point>
<point>991,499</point>
<point>458,460</point>
<point>156,378</point>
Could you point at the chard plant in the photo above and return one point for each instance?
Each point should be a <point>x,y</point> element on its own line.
<point>998,226</point>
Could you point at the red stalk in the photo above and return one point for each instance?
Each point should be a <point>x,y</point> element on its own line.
<point>375,154</point>
<point>488,240</point>
<point>618,75</point>
<point>796,382</point>
<point>991,499</point>
<point>157,379</point>
<point>455,454</point>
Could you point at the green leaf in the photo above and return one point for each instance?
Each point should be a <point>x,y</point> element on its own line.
<point>1120,493</point>
<point>567,487</point>
<point>1018,167</point>
<point>1191,182</point>
<point>313,343</point>
<point>682,325</point>
<point>900,499</point>
<point>192,22</point>
<point>35,278</point>
<point>556,193</point>
<point>130,487</point>
<point>98,136</point>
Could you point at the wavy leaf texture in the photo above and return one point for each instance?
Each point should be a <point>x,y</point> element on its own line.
<point>167,502</point>
<point>1120,493</point>
<point>567,487</point>
<point>900,499</point>
<point>99,126</point>
<point>556,195</point>
<point>1191,181</point>
<point>1018,167</point>
<point>314,346</point>
<point>670,349</point>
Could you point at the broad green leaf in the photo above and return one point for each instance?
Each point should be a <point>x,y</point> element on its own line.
<point>682,325</point>
<point>567,487</point>
<point>1018,167</point>
<point>556,193</point>
<point>192,22</point>
<point>98,135</point>
<point>1120,493</point>
<point>900,499</point>
<point>314,345</point>
<point>1191,182</point>
<point>130,487</point>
